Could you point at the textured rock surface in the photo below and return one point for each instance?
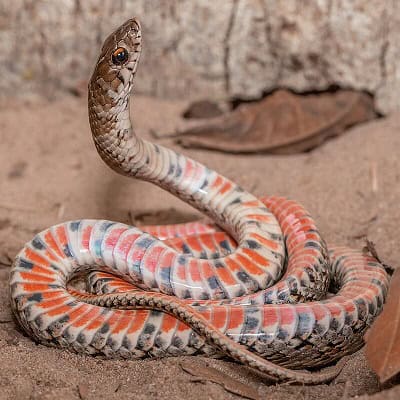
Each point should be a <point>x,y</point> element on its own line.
<point>209,48</point>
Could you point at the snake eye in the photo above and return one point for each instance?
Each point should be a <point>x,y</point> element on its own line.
<point>120,56</point>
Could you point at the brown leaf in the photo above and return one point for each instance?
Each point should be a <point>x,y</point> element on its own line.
<point>282,123</point>
<point>207,373</point>
<point>383,339</point>
<point>203,109</point>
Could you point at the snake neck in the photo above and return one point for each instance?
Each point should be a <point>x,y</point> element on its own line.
<point>112,130</point>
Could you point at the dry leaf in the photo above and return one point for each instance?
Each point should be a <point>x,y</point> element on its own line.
<point>203,109</point>
<point>207,373</point>
<point>383,339</point>
<point>282,123</point>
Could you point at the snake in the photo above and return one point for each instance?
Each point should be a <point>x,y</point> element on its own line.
<point>254,281</point>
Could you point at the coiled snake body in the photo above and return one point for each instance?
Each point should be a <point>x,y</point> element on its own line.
<point>192,288</point>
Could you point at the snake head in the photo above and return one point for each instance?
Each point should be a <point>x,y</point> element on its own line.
<point>115,69</point>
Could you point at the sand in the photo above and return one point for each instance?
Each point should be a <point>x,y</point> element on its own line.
<point>50,172</point>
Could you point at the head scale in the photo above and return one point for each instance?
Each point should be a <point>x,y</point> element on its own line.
<point>117,63</point>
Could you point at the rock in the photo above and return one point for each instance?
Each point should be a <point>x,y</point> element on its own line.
<point>235,48</point>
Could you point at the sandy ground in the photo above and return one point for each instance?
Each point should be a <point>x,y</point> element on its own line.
<point>50,172</point>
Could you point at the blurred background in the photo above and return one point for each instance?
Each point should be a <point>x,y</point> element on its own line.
<point>219,49</point>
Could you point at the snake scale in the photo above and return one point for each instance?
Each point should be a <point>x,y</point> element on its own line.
<point>250,285</point>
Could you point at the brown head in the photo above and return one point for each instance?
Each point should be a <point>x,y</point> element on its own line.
<point>112,78</point>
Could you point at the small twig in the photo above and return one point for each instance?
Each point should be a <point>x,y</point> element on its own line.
<point>374,177</point>
<point>370,247</point>
<point>118,387</point>
<point>61,210</point>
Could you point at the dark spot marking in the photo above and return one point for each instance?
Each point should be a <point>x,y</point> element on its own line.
<point>64,319</point>
<point>282,295</point>
<point>105,225</point>
<point>204,296</point>
<point>319,329</point>
<point>250,324</point>
<point>238,200</point>
<point>74,226</point>
<point>314,245</point>
<point>268,297</point>
<point>204,184</point>
<point>293,284</point>
<point>67,251</point>
<point>159,341</point>
<point>376,281</point>
<point>224,244</point>
<point>37,243</point>
<point>182,260</point>
<point>53,266</point>
<point>110,342</point>
<point>178,172</point>
<point>166,275</point>
<point>105,328</point>
<point>25,264</point>
<point>67,335</point>
<point>54,286</point>
<point>186,249</point>
<point>126,343</point>
<point>276,236</point>
<point>203,254</point>
<point>334,324</point>
<point>252,244</point>
<point>145,242</point>
<point>243,276</point>
<point>149,329</point>
<point>36,297</point>
<point>38,320</point>
<point>282,334</point>
<point>177,342</point>
<point>212,282</point>
<point>303,323</point>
